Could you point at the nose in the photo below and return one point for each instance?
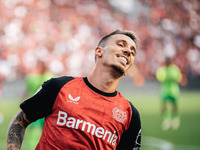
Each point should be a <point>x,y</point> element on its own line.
<point>127,51</point>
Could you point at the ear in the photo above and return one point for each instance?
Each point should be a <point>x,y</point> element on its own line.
<point>99,51</point>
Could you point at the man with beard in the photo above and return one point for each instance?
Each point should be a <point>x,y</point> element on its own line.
<point>85,112</point>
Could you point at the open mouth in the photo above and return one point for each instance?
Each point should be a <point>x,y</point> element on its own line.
<point>123,59</point>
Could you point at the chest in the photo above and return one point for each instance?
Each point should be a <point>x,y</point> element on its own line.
<point>80,112</point>
<point>82,103</point>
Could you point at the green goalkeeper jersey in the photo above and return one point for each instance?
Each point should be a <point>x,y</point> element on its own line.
<point>169,76</point>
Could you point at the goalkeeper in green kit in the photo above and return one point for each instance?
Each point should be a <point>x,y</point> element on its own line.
<point>169,76</point>
<point>33,83</point>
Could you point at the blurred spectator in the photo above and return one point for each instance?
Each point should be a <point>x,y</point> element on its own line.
<point>50,31</point>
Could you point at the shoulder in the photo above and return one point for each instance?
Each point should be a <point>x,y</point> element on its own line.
<point>161,74</point>
<point>58,82</point>
<point>174,67</point>
<point>61,79</point>
<point>128,103</point>
<point>134,110</point>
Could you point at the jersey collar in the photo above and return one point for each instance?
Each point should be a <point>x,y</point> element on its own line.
<point>97,90</point>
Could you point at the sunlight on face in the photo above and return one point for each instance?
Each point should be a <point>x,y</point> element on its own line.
<point>119,52</point>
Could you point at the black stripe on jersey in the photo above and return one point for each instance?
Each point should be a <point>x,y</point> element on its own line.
<point>41,104</point>
<point>131,138</point>
<point>97,90</point>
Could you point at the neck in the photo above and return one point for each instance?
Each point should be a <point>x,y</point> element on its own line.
<point>104,80</point>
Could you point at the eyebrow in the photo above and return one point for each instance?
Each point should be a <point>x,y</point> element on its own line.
<point>124,42</point>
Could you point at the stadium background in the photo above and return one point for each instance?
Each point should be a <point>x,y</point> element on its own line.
<point>62,34</point>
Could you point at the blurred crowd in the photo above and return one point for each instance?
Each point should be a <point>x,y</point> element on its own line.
<point>62,35</point>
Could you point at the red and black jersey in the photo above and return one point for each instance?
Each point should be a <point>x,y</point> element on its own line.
<point>79,116</point>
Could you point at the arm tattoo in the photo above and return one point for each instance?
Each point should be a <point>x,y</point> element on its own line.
<point>16,131</point>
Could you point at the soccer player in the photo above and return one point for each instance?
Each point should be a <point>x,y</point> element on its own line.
<point>33,82</point>
<point>85,113</point>
<point>169,76</point>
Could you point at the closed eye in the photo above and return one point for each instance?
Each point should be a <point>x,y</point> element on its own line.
<point>119,44</point>
<point>123,43</point>
<point>133,53</point>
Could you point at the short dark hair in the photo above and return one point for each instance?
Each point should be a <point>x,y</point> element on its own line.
<point>130,34</point>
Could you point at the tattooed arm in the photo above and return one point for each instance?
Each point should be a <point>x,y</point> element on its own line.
<point>16,131</point>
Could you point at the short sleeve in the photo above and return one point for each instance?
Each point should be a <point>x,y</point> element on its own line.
<point>41,104</point>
